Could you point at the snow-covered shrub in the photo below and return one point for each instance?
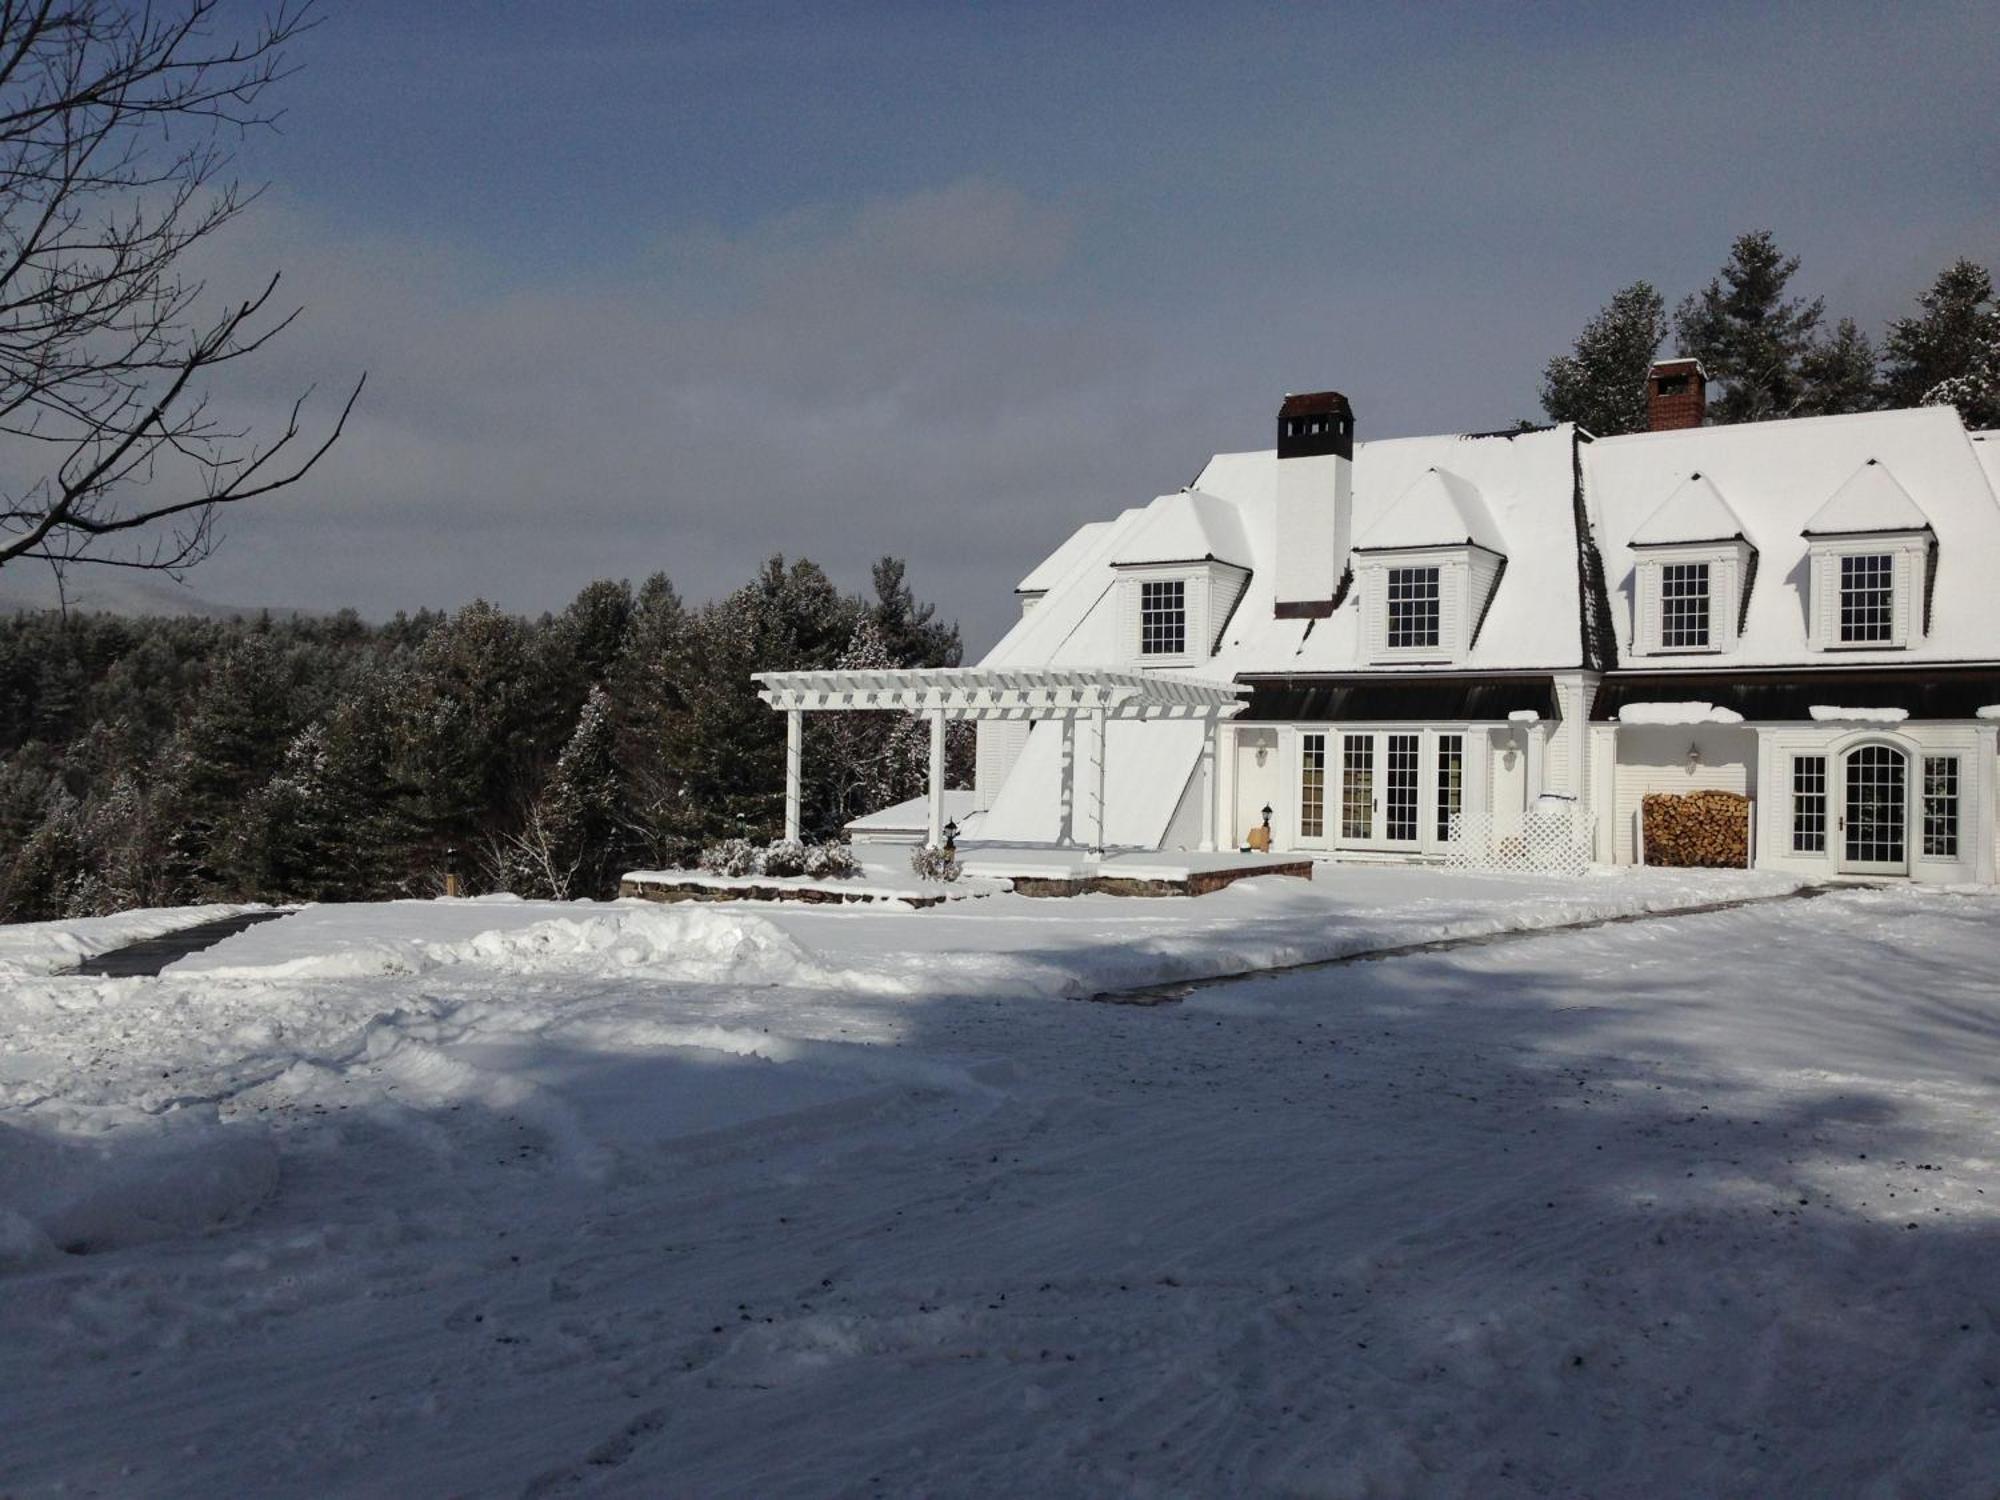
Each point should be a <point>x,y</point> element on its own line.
<point>931,863</point>
<point>831,861</point>
<point>784,857</point>
<point>735,857</point>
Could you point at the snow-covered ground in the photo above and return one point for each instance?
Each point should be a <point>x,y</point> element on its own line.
<point>34,948</point>
<point>496,1198</point>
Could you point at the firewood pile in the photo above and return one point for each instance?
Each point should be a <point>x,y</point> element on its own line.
<point>1709,830</point>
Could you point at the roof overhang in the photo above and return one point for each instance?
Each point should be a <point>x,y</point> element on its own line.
<point>1003,692</point>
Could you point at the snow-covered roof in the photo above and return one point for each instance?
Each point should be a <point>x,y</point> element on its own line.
<point>1052,569</point>
<point>1781,480</point>
<point>1871,500</point>
<point>1186,527</point>
<point>1438,509</point>
<point>1767,482</point>
<point>1694,512</point>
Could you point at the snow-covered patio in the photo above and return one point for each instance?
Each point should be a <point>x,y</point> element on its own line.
<point>503,1198</point>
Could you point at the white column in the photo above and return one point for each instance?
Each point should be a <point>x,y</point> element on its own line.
<point>1099,724</point>
<point>1066,790</point>
<point>935,832</point>
<point>1980,827</point>
<point>1208,787</point>
<point>1535,737</point>
<point>794,763</point>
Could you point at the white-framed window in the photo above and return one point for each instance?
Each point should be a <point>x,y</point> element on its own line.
<point>1867,598</point>
<point>1450,782</point>
<point>1941,806</point>
<point>1163,617</point>
<point>1867,592</point>
<point>1808,804</point>
<point>1689,596</point>
<point>1312,786</point>
<point>1684,606</point>
<point>1414,609</point>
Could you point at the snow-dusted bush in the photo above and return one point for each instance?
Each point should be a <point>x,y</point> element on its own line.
<point>831,861</point>
<point>930,863</point>
<point>784,857</point>
<point>732,857</point>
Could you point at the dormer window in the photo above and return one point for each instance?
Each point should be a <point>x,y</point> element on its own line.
<point>1163,617</point>
<point>1692,571</point>
<point>1868,599</point>
<point>1684,606</point>
<point>1871,555</point>
<point>1414,608</point>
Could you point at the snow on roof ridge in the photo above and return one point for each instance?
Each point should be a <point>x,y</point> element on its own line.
<point>1186,526</point>
<point>1437,508</point>
<point>1871,499</point>
<point>1740,431</point>
<point>1823,714</point>
<point>1677,713</point>
<point>1695,511</point>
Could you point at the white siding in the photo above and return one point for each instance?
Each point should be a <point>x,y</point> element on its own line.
<point>998,745</point>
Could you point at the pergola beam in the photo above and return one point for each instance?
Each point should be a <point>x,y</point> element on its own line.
<point>1064,694</point>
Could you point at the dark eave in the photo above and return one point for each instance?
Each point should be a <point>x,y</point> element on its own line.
<point>1397,697</point>
<point>1789,695</point>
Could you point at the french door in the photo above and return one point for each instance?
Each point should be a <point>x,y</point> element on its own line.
<point>1381,782</point>
<point>1874,820</point>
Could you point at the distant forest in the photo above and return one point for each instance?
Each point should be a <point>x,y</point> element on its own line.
<point>148,762</point>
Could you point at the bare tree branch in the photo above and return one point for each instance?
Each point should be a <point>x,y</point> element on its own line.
<point>114,157</point>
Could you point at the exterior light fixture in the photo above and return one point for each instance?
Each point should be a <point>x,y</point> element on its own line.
<point>951,834</point>
<point>1693,757</point>
<point>1267,815</point>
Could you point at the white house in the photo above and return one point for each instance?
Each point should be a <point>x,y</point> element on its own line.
<point>1443,632</point>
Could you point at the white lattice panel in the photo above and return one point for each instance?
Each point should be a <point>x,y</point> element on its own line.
<point>1550,841</point>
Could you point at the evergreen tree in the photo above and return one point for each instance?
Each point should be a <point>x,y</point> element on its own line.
<point>1749,335</point>
<point>1601,384</point>
<point>1837,375</point>
<point>49,877</point>
<point>911,631</point>
<point>568,843</point>
<point>1948,342</point>
<point>1976,393</point>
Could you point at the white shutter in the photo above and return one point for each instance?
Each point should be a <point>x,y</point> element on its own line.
<point>1646,610</point>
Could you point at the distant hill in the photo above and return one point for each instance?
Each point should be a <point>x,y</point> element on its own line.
<point>113,591</point>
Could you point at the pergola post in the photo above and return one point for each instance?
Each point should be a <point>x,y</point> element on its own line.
<point>794,770</point>
<point>1100,723</point>
<point>935,831</point>
<point>1066,784</point>
<point>1208,787</point>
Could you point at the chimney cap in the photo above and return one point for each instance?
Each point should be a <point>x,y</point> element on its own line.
<point>1678,365</point>
<point>1314,404</point>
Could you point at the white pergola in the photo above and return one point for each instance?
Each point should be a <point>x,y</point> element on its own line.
<point>1065,694</point>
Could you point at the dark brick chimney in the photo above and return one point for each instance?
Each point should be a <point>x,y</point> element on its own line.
<point>1676,395</point>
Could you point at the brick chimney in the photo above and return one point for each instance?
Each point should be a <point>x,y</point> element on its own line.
<point>1676,395</point>
<point>1315,501</point>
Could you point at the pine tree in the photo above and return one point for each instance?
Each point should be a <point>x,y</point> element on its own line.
<point>911,631</point>
<point>1976,393</point>
<point>1601,384</point>
<point>568,844</point>
<point>1951,341</point>
<point>1749,335</point>
<point>1837,375</point>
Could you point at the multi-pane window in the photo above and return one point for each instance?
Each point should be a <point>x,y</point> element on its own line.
<point>1451,781</point>
<point>1874,809</point>
<point>1941,806</point>
<point>1400,788</point>
<point>1809,804</point>
<point>1413,607</point>
<point>1312,786</point>
<point>1163,617</point>
<point>1357,786</point>
<point>1683,606</point>
<point>1868,598</point>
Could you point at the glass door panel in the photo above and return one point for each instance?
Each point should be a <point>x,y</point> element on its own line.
<point>1357,788</point>
<point>1873,837</point>
<point>1401,761</point>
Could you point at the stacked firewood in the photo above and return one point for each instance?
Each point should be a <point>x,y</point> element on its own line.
<point>1706,829</point>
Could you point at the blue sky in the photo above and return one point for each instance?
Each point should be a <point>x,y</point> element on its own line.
<point>677,286</point>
